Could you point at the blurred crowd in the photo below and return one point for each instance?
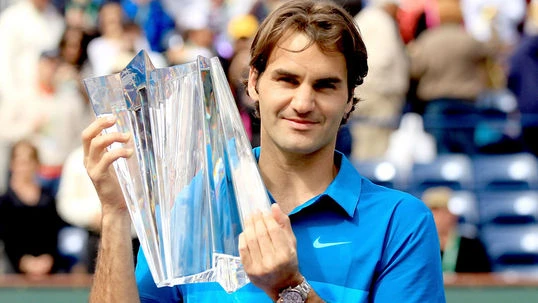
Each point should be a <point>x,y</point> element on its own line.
<point>445,76</point>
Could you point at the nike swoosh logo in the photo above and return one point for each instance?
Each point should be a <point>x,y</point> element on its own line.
<point>318,244</point>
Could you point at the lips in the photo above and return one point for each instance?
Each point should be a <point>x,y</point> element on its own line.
<point>301,121</point>
<point>301,124</point>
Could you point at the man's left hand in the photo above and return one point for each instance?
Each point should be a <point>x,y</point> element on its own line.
<point>268,251</point>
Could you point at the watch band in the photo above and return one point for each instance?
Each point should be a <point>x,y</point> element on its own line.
<point>291,294</point>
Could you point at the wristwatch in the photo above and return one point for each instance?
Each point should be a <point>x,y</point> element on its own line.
<point>297,294</point>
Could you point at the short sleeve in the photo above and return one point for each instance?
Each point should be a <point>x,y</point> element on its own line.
<point>410,268</point>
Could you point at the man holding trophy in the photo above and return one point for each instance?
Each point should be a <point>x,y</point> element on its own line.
<point>331,234</point>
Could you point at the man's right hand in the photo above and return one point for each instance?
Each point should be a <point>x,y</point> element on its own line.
<point>98,160</point>
<point>114,279</point>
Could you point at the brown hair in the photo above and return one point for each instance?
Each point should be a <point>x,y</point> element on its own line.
<point>327,25</point>
<point>27,143</point>
<point>450,11</point>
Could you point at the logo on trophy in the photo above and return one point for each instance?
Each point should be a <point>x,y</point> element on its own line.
<point>193,178</point>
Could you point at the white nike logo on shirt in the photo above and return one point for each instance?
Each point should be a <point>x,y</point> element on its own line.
<point>318,244</point>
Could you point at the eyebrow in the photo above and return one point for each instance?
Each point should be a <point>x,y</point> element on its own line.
<point>328,80</point>
<point>281,72</point>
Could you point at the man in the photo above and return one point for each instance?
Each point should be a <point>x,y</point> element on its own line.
<point>459,253</point>
<point>333,236</point>
<point>448,65</point>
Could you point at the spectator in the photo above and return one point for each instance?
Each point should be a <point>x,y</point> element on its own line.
<point>241,30</point>
<point>448,64</point>
<point>459,253</point>
<point>61,112</point>
<point>104,49</point>
<point>134,41</point>
<point>523,79</point>
<point>73,51</point>
<point>29,223</point>
<point>383,92</point>
<point>119,38</point>
<point>237,72</point>
<point>23,42</point>
<point>82,14</point>
<point>51,117</point>
<point>78,203</point>
<point>197,41</point>
<point>156,24</point>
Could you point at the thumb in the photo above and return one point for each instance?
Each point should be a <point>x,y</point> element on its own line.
<point>281,218</point>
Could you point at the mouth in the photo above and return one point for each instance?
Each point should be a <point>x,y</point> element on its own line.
<point>301,124</point>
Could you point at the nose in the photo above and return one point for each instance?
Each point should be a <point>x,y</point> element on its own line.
<point>303,99</point>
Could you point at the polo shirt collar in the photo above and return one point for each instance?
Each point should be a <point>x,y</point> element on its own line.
<point>345,189</point>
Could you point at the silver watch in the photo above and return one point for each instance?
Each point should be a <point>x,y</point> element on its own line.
<point>297,294</point>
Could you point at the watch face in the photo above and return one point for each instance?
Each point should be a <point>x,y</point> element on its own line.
<point>292,296</point>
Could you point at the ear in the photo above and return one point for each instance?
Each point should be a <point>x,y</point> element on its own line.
<point>253,76</point>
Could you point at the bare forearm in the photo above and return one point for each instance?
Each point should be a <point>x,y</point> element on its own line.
<point>114,279</point>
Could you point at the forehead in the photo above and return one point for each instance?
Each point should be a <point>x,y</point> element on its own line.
<point>296,51</point>
<point>23,150</point>
<point>111,10</point>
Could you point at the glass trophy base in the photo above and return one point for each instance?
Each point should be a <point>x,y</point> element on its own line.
<point>227,271</point>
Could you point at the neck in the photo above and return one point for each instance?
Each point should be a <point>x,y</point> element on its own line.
<point>444,237</point>
<point>293,179</point>
<point>27,191</point>
<point>21,180</point>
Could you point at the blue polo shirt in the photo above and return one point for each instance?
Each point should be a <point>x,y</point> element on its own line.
<point>356,242</point>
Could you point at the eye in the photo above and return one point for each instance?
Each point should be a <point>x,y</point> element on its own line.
<point>288,80</point>
<point>324,85</point>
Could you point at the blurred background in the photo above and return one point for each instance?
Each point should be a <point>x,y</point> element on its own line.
<point>448,112</point>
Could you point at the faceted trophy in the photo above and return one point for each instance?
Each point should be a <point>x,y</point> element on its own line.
<point>193,179</point>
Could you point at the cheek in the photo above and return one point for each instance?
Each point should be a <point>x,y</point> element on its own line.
<point>271,101</point>
<point>335,112</point>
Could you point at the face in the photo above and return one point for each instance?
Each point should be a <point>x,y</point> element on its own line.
<point>47,68</point>
<point>111,18</point>
<point>41,5</point>
<point>72,48</point>
<point>445,221</point>
<point>23,162</point>
<point>302,96</point>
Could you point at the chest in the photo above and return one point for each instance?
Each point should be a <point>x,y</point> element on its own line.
<point>28,195</point>
<point>341,252</point>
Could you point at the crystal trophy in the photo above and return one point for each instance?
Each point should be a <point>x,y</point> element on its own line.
<point>193,179</point>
